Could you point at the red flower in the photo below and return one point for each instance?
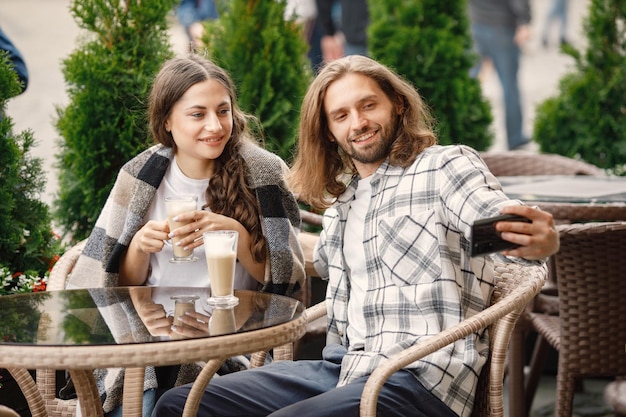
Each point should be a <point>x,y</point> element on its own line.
<point>41,286</point>
<point>53,261</point>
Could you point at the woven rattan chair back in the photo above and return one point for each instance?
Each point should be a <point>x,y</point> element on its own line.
<point>516,285</point>
<point>46,378</point>
<point>590,331</point>
<point>512,163</point>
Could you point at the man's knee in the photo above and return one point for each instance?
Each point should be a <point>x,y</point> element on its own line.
<point>172,402</point>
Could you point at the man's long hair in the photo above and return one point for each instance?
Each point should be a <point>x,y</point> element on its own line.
<point>320,168</point>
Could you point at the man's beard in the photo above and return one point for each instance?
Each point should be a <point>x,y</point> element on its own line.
<point>376,151</point>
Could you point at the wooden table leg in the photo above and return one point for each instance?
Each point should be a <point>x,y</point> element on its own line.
<point>28,387</point>
<point>132,400</point>
<point>195,395</point>
<point>87,392</point>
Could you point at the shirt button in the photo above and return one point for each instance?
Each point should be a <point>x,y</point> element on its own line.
<point>340,333</point>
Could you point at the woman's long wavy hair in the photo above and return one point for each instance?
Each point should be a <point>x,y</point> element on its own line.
<point>320,168</point>
<point>228,192</point>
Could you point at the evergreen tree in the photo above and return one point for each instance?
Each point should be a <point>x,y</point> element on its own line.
<point>108,76</point>
<point>429,43</point>
<point>587,118</point>
<point>266,56</point>
<point>27,243</point>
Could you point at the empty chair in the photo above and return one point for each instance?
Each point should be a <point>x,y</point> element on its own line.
<point>589,330</point>
<point>46,378</point>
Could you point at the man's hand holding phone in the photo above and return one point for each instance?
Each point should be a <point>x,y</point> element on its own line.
<point>519,231</point>
<point>486,239</point>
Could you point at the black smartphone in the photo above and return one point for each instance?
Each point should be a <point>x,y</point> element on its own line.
<point>486,239</point>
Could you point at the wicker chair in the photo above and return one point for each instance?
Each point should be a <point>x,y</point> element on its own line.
<point>520,397</point>
<point>588,330</point>
<point>516,285</point>
<point>513,163</point>
<point>46,378</point>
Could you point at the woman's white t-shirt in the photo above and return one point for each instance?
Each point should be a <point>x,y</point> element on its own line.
<point>191,274</point>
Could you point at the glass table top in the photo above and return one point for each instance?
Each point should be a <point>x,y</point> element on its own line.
<point>105,316</point>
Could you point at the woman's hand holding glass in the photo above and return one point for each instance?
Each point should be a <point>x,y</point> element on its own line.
<point>201,221</point>
<point>204,221</point>
<point>152,236</point>
<point>155,318</point>
<point>191,324</point>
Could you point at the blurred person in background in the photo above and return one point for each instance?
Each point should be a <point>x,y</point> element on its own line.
<point>19,65</point>
<point>16,58</point>
<point>499,29</point>
<point>350,38</point>
<point>558,11</point>
<point>192,12</point>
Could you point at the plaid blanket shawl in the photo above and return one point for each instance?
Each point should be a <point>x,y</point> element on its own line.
<point>123,214</point>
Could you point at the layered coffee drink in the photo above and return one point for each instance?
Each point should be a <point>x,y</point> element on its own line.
<point>220,248</point>
<point>174,207</point>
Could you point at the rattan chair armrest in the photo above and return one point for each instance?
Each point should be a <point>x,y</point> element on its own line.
<point>307,242</point>
<point>31,393</point>
<point>63,267</point>
<point>311,218</point>
<point>316,311</point>
<point>514,303</point>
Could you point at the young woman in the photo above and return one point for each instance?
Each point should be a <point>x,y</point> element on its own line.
<point>204,149</point>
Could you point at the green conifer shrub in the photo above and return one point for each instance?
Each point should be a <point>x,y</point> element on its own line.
<point>587,117</point>
<point>27,243</point>
<point>429,43</point>
<point>266,56</point>
<point>104,125</point>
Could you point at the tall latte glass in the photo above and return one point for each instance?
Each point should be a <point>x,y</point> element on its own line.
<point>220,247</point>
<point>175,206</point>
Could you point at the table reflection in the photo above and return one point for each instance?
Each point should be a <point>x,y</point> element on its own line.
<point>125,315</point>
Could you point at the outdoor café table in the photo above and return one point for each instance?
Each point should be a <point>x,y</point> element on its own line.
<point>571,198</point>
<point>86,329</point>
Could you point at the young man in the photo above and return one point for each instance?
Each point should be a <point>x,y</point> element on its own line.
<point>395,249</point>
